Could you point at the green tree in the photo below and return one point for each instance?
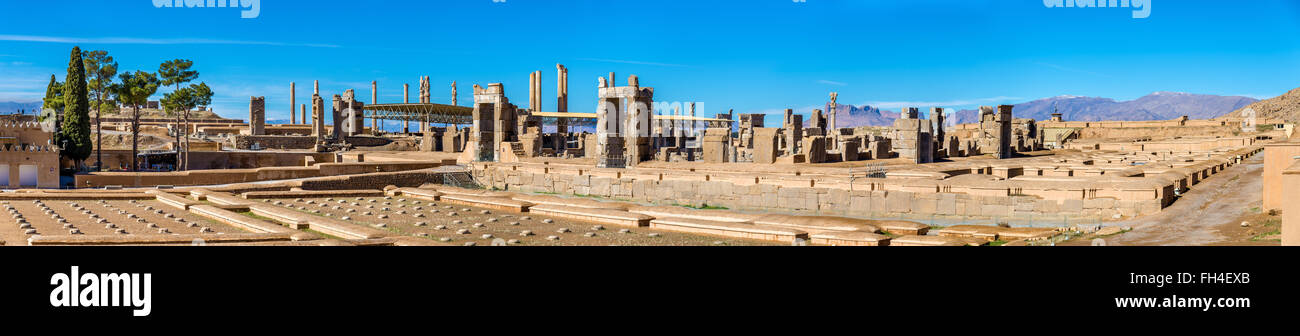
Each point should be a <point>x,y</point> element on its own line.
<point>75,128</point>
<point>52,105</point>
<point>201,96</point>
<point>134,89</point>
<point>101,69</point>
<point>174,73</point>
<point>185,99</point>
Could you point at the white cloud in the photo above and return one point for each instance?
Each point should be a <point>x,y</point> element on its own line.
<point>831,82</point>
<point>136,40</point>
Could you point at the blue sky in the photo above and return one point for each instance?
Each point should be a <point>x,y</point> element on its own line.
<point>754,56</point>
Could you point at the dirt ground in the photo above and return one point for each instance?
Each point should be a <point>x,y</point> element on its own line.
<point>95,218</point>
<point>1210,214</point>
<point>465,224</point>
<point>122,140</point>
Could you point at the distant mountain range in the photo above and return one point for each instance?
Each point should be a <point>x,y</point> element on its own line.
<point>1155,106</point>
<point>13,107</point>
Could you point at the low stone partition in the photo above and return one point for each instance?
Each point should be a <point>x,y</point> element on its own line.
<point>572,202</point>
<point>226,199</point>
<point>849,238</point>
<point>326,225</point>
<point>987,233</point>
<point>425,194</point>
<point>74,196</point>
<point>228,176</point>
<point>172,199</point>
<point>497,203</point>
<point>165,239</point>
<point>701,214</point>
<point>728,229</point>
<point>818,224</point>
<point>993,233</point>
<point>902,227</point>
<point>240,221</point>
<point>602,216</point>
<point>311,193</point>
<point>936,241</point>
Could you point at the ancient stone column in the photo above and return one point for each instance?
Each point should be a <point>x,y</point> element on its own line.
<point>532,91</point>
<point>833,127</point>
<point>936,114</point>
<point>304,114</point>
<point>406,99</point>
<point>374,99</point>
<point>318,117</point>
<point>453,93</point>
<point>336,114</point>
<point>315,87</point>
<point>257,116</point>
<point>293,103</point>
<point>561,105</point>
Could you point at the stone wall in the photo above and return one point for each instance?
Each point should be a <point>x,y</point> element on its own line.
<point>1035,198</point>
<point>815,200</point>
<point>275,141</point>
<point>413,178</point>
<point>227,176</point>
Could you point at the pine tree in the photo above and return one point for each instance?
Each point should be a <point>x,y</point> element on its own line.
<point>75,137</point>
<point>134,89</point>
<point>101,69</point>
<point>177,72</point>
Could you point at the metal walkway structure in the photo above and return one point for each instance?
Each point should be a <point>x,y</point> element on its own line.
<point>434,113</point>
<point>452,114</point>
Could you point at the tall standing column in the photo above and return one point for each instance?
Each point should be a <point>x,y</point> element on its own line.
<point>293,103</point>
<point>561,105</point>
<point>374,99</point>
<point>532,91</point>
<point>406,96</point>
<point>452,127</point>
<point>304,114</point>
<point>833,128</point>
<point>315,91</point>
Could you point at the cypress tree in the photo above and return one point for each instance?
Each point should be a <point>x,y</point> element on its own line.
<point>76,111</point>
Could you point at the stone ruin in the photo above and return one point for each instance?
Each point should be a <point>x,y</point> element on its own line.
<point>352,112</point>
<point>913,137</point>
<point>257,116</point>
<point>994,135</point>
<point>623,123</point>
<point>494,124</point>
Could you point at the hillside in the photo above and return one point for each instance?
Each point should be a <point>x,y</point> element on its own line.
<point>1285,107</point>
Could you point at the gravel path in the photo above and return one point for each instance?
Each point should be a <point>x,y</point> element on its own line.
<point>1194,219</point>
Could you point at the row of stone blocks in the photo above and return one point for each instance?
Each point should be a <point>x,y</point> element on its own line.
<point>817,230</point>
<point>226,208</point>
